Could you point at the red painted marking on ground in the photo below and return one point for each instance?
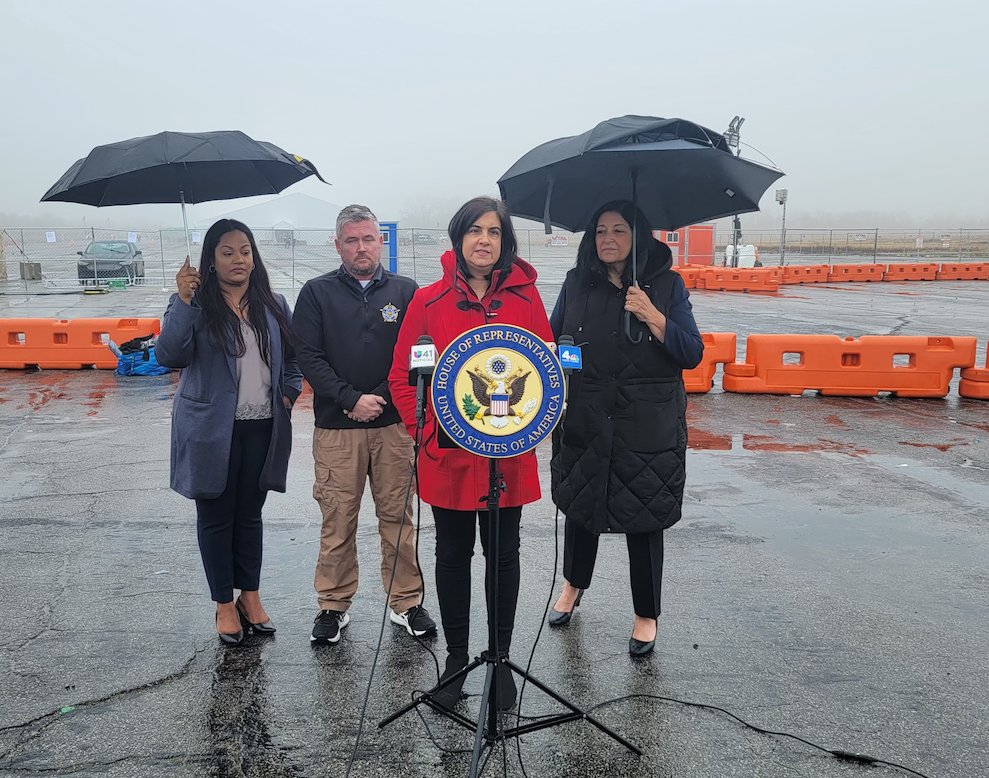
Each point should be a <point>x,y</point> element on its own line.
<point>765,443</point>
<point>942,447</point>
<point>702,440</point>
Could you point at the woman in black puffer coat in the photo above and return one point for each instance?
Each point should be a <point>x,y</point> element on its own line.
<point>619,460</point>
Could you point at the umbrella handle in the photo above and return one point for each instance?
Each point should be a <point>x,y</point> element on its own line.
<point>634,259</point>
<point>637,338</point>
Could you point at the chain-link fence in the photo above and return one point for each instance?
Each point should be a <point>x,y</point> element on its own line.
<point>35,260</point>
<point>799,247</point>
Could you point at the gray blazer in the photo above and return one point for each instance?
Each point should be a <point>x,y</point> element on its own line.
<point>206,402</point>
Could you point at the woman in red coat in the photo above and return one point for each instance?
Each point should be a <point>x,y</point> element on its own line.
<point>483,282</point>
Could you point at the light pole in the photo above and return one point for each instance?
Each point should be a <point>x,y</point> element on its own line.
<point>731,138</point>
<point>781,199</point>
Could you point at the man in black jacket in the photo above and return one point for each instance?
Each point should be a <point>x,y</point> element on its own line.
<point>345,325</point>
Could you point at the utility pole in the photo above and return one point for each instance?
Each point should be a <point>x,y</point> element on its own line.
<point>731,138</point>
<point>781,199</point>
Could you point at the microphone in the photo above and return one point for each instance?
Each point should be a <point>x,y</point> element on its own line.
<point>571,359</point>
<point>569,354</point>
<point>422,360</point>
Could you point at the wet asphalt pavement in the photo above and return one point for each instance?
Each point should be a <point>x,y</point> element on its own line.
<point>829,579</point>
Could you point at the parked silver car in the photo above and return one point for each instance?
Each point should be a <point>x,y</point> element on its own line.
<point>105,259</point>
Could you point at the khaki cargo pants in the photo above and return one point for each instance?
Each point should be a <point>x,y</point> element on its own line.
<point>344,461</point>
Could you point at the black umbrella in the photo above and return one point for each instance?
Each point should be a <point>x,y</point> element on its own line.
<point>180,167</point>
<point>675,171</point>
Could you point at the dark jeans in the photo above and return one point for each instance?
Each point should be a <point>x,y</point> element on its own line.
<point>229,526</point>
<point>455,535</point>
<point>645,562</point>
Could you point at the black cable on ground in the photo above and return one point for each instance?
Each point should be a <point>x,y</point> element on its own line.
<point>429,732</point>
<point>413,477</point>
<point>539,633</point>
<point>837,753</point>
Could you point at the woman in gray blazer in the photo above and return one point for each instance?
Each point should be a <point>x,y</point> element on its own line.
<point>231,418</point>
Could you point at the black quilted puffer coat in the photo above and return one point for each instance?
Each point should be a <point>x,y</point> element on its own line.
<point>619,456</point>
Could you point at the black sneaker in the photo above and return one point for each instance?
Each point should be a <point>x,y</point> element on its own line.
<point>326,628</point>
<point>416,620</point>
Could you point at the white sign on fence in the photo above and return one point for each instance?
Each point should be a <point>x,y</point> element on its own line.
<point>50,237</point>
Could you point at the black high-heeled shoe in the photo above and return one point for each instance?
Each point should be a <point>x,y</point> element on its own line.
<point>230,638</point>
<point>261,628</point>
<point>642,647</point>
<point>562,618</point>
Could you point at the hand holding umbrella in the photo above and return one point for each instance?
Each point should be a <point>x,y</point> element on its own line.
<point>637,303</point>
<point>187,281</point>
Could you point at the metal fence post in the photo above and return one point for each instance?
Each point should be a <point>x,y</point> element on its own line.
<point>875,246</point>
<point>23,258</point>
<point>830,244</point>
<point>293,261</point>
<point>161,249</point>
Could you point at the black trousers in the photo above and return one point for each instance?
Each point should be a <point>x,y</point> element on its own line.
<point>645,562</point>
<point>455,535</point>
<point>229,526</point>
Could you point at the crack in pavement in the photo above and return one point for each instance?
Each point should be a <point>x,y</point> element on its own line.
<point>149,760</point>
<point>46,720</point>
<point>6,440</point>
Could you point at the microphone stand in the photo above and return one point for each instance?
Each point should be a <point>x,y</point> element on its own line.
<point>486,729</point>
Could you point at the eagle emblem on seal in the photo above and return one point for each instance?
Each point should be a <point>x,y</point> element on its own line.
<point>497,388</point>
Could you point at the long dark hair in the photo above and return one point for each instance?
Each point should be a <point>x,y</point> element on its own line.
<point>223,324</point>
<point>469,213</point>
<point>588,262</point>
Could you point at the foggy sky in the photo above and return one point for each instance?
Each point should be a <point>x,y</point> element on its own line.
<point>875,110</point>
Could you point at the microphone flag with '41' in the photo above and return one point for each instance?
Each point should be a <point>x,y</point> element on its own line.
<point>498,390</point>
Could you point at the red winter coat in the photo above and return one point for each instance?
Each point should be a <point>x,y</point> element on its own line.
<point>451,477</point>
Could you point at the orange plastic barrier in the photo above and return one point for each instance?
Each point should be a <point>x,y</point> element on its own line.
<point>806,274</point>
<point>725,279</point>
<point>719,348</point>
<point>911,271</point>
<point>688,274</point>
<point>905,365</point>
<point>67,345</point>
<point>857,273</point>
<point>975,382</point>
<point>963,271</point>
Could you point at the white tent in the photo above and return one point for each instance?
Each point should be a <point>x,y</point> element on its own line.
<point>286,212</point>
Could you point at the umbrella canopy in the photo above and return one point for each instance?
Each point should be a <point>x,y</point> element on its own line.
<point>677,172</point>
<point>180,167</point>
<point>174,167</point>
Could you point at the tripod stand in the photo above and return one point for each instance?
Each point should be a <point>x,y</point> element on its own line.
<point>486,729</point>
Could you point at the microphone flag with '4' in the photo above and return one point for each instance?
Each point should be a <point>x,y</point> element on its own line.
<point>569,354</point>
<point>498,390</point>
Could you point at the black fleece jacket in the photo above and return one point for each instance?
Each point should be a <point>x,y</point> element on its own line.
<point>344,338</point>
